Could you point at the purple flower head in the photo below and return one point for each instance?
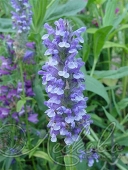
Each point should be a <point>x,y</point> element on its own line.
<point>21,16</point>
<point>64,82</point>
<point>27,87</point>
<point>94,22</point>
<point>89,156</point>
<point>117,10</point>
<point>28,57</point>
<point>30,45</point>
<point>1,36</point>
<point>29,53</point>
<point>33,118</point>
<point>4,112</point>
<point>9,96</point>
<point>9,44</point>
<point>5,66</point>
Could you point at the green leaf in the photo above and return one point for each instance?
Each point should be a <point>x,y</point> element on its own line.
<point>8,162</point>
<point>41,154</point>
<point>96,87</point>
<point>121,165</point>
<point>122,139</point>
<point>119,19</point>
<point>6,25</point>
<point>112,74</point>
<point>19,105</point>
<point>51,9</point>
<point>123,103</point>
<point>39,96</point>
<point>112,119</point>
<point>68,162</point>
<point>109,12</point>
<point>59,9</point>
<point>82,165</point>
<point>2,158</point>
<point>39,10</point>
<point>124,26</point>
<point>100,1</point>
<point>5,8</point>
<point>99,39</point>
<point>98,121</point>
<point>78,22</point>
<point>109,44</point>
<point>91,30</point>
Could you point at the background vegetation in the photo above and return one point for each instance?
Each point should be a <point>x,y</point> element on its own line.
<point>105,53</point>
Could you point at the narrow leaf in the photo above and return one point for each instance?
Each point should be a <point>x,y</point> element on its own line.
<point>109,44</point>
<point>99,40</point>
<point>70,8</point>
<point>112,119</point>
<point>96,87</point>
<point>41,154</point>
<point>6,25</point>
<point>112,74</point>
<point>109,12</point>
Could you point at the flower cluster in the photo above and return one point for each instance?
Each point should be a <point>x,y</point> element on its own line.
<point>29,54</point>
<point>6,66</point>
<point>10,95</point>
<point>1,36</point>
<point>90,156</point>
<point>22,16</point>
<point>64,82</point>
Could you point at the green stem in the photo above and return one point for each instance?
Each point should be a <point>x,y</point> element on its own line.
<point>93,68</point>
<point>104,166</point>
<point>109,58</point>
<point>94,134</point>
<point>33,162</point>
<point>125,79</point>
<point>124,120</point>
<point>124,61</point>
<point>97,15</point>
<point>19,162</point>
<point>22,79</point>
<point>3,165</point>
<point>23,87</point>
<point>26,116</point>
<point>71,157</point>
<point>113,97</point>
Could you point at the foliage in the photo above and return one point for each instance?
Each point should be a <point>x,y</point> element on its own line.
<point>105,53</point>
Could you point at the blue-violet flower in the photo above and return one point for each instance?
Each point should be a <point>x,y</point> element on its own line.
<point>64,82</point>
<point>22,16</point>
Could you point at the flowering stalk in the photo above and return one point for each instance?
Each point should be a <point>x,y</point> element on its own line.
<point>64,82</point>
<point>22,16</point>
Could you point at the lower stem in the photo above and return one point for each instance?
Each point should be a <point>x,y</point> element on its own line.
<point>93,68</point>
<point>26,116</point>
<point>125,79</point>
<point>20,166</point>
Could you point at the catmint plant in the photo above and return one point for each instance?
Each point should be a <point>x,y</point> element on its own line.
<point>22,18</point>
<point>64,82</point>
